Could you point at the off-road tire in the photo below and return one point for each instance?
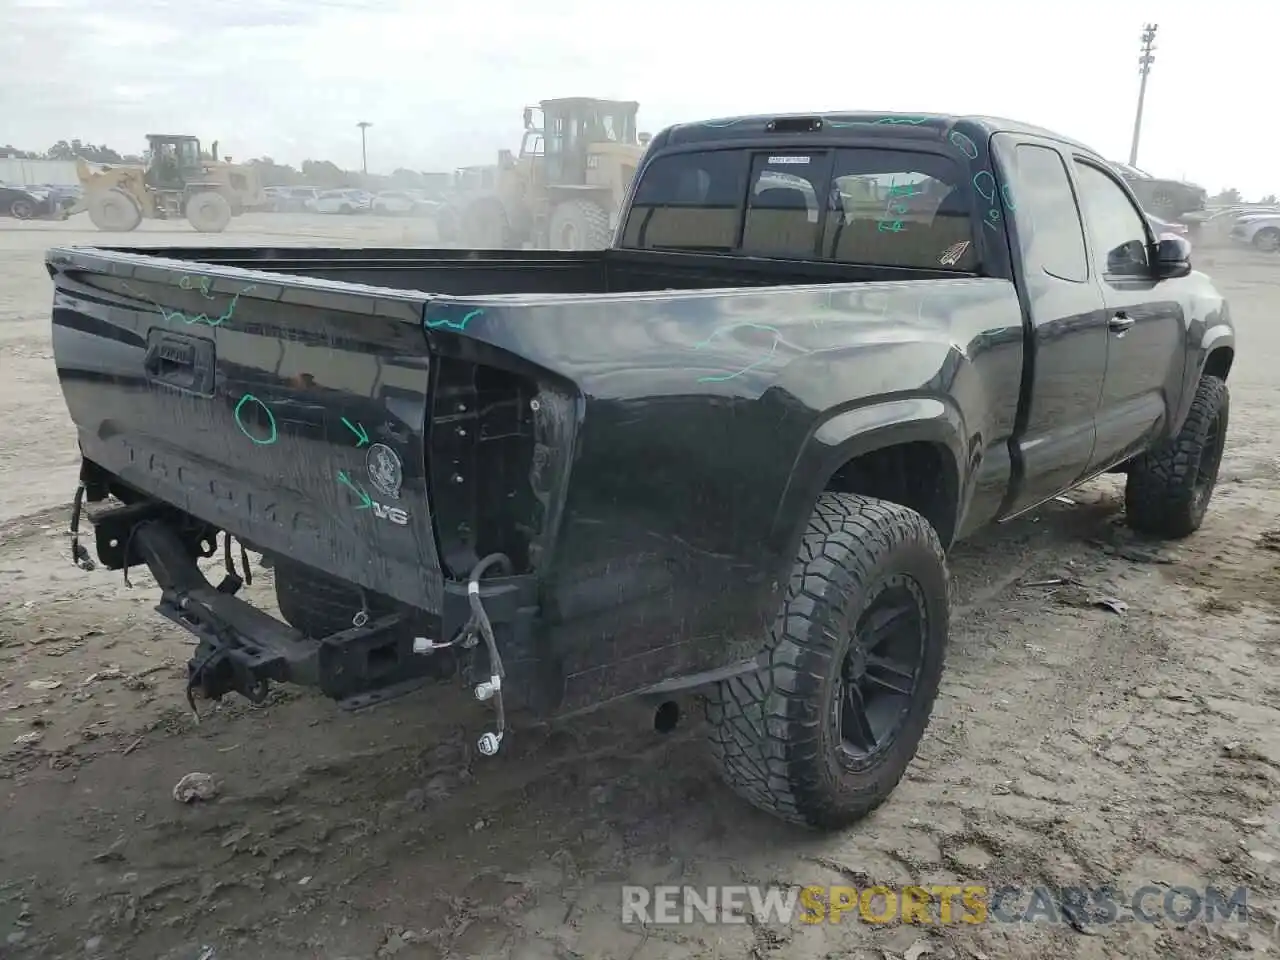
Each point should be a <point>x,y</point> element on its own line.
<point>1169,488</point>
<point>114,211</point>
<point>774,732</point>
<point>320,605</point>
<point>485,226</point>
<point>585,222</point>
<point>208,212</point>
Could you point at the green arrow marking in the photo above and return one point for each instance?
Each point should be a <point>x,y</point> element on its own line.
<point>358,429</point>
<point>366,501</point>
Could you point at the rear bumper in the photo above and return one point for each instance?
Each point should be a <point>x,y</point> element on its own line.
<point>243,649</point>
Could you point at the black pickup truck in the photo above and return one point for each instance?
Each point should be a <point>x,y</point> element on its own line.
<point>725,455</point>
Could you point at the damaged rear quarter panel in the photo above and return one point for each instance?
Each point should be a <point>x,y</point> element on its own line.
<point>695,451</point>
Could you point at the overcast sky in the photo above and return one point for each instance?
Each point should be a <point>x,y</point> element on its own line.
<point>443,82</point>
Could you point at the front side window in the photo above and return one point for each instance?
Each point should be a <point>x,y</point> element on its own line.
<point>1117,231</point>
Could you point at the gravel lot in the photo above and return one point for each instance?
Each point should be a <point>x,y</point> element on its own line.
<point>1071,744</point>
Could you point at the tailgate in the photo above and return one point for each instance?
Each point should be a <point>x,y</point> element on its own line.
<point>286,410</point>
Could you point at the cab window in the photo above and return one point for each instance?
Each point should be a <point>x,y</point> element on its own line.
<point>1117,231</point>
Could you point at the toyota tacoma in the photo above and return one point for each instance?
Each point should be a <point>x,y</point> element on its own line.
<point>726,455</point>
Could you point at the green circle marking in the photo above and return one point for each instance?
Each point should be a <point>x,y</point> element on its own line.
<point>248,397</point>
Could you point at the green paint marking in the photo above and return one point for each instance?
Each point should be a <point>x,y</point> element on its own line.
<point>366,501</point>
<point>773,349</point>
<point>204,318</point>
<point>358,429</point>
<point>458,325</point>
<point>271,421</point>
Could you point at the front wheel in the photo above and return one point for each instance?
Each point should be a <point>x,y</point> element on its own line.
<point>22,209</point>
<point>208,212</point>
<point>822,734</point>
<point>1169,488</point>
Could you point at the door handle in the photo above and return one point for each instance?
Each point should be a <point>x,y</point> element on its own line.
<point>1120,323</point>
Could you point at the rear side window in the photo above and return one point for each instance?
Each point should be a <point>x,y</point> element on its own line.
<point>1049,227</point>
<point>689,201</point>
<point>854,205</point>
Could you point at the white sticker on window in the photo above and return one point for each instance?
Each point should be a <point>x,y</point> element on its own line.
<point>788,159</point>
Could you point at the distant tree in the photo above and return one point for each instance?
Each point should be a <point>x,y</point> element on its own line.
<point>8,150</point>
<point>70,150</point>
<point>327,174</point>
<point>1228,196</point>
<point>274,174</point>
<point>405,179</point>
<point>1270,198</point>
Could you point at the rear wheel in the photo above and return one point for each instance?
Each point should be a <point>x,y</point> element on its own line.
<point>824,732</point>
<point>208,212</point>
<point>579,225</point>
<point>447,226</point>
<point>115,211</point>
<point>1267,240</point>
<point>22,209</point>
<point>484,227</point>
<point>1169,488</point>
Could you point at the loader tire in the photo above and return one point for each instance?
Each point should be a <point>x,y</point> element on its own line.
<point>1169,488</point>
<point>319,605</point>
<point>823,732</point>
<point>485,226</point>
<point>579,225</point>
<point>114,211</point>
<point>208,212</point>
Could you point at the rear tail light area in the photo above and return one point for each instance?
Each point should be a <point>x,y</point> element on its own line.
<point>498,449</point>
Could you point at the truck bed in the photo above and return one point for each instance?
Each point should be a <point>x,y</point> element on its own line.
<point>471,273</point>
<point>387,417</point>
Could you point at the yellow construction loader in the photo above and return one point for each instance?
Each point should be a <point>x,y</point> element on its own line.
<point>565,187</point>
<point>176,183</point>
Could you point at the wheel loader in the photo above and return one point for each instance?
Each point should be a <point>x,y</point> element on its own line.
<point>176,183</point>
<point>564,189</point>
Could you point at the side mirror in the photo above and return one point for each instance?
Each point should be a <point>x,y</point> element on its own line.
<point>1173,258</point>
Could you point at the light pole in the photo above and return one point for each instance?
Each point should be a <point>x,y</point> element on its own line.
<point>364,152</point>
<point>1145,60</point>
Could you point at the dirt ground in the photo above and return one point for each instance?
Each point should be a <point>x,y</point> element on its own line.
<point>1071,744</point>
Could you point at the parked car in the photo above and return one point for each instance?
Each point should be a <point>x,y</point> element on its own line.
<point>724,455</point>
<point>289,199</point>
<point>396,202</point>
<point>1258,230</point>
<point>1169,199</point>
<point>30,203</point>
<point>64,195</point>
<point>1167,228</point>
<point>341,201</point>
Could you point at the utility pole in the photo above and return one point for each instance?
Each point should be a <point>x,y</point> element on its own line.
<point>1145,60</point>
<point>364,151</point>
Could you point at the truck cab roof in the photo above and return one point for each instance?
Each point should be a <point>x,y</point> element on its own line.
<point>852,125</point>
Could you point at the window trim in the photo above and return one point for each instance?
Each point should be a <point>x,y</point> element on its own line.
<point>1068,170</point>
<point>1148,236</point>
<point>750,149</point>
